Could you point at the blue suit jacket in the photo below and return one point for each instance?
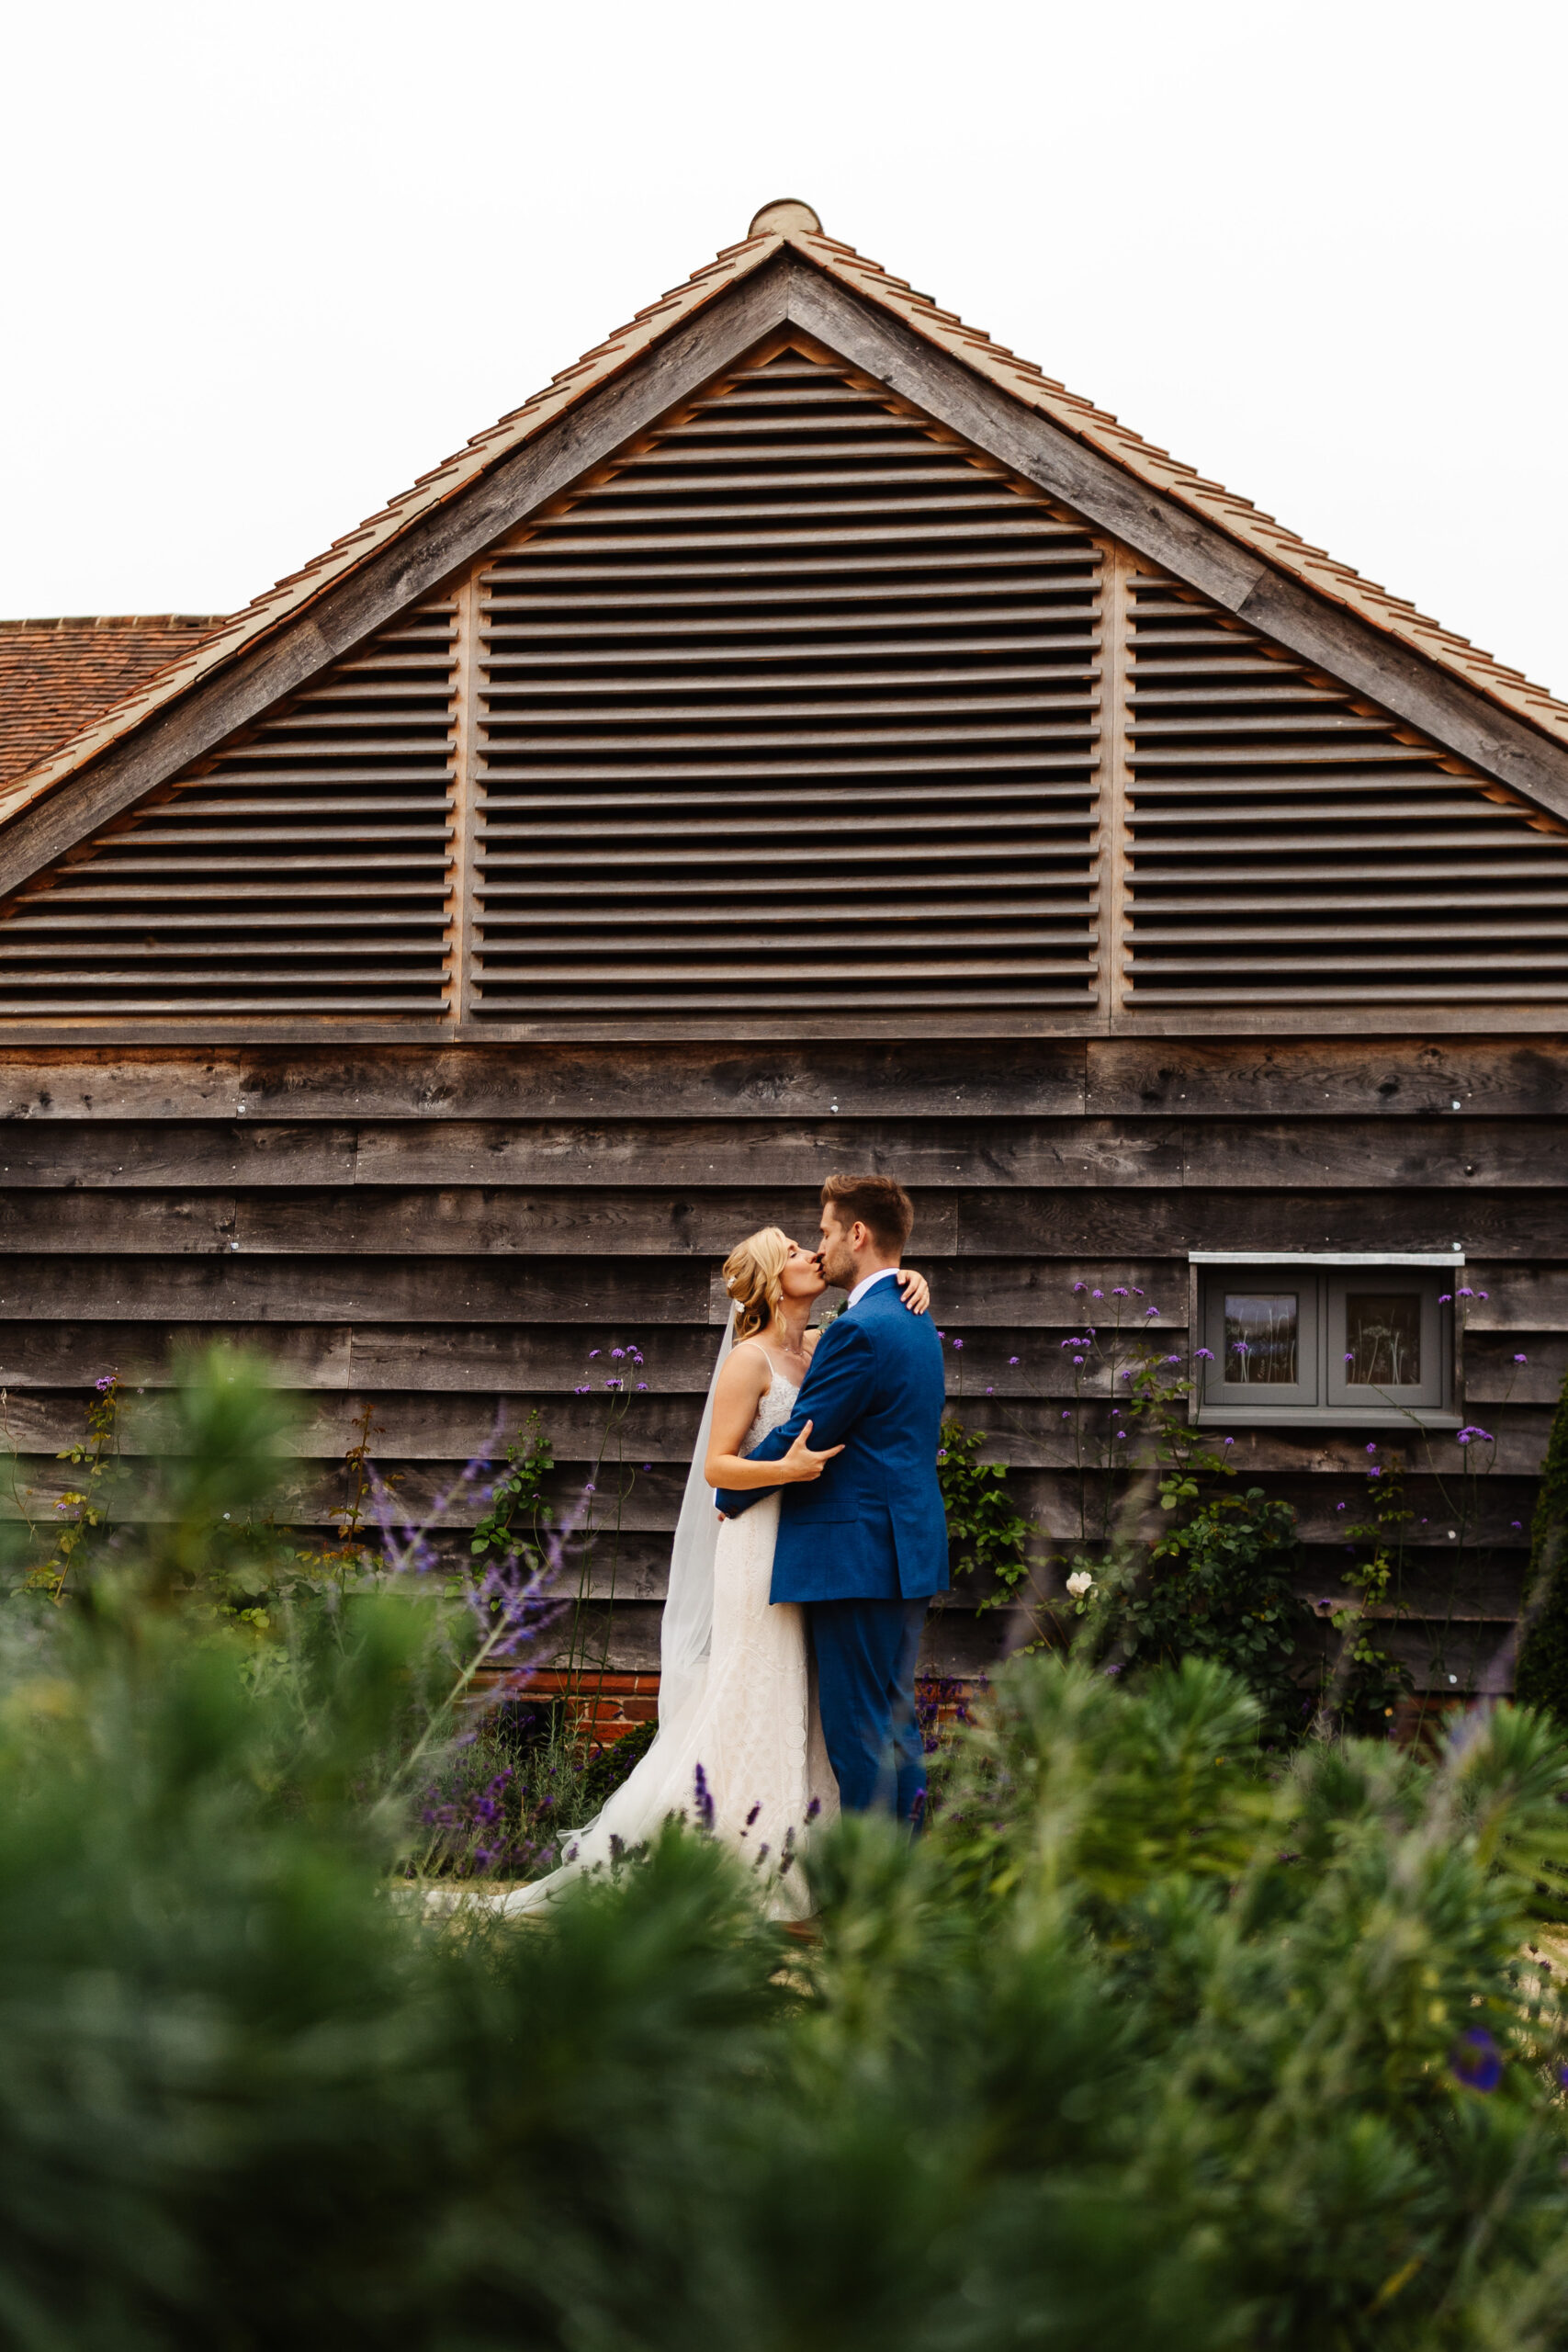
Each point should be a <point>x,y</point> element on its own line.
<point>872,1527</point>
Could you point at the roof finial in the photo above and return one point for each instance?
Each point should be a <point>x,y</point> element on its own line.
<point>785,213</point>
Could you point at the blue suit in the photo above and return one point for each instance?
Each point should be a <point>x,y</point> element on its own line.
<point>864,1546</point>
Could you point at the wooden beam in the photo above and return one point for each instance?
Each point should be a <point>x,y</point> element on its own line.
<point>1166,533</point>
<point>413,565</point>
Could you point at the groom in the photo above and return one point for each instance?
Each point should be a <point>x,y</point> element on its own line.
<point>864,1546</point>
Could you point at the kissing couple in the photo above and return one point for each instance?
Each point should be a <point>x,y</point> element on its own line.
<point>792,1625</point>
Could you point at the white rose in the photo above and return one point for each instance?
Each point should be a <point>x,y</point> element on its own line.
<point>1080,1583</point>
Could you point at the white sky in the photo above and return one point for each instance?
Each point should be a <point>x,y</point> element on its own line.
<point>264,264</point>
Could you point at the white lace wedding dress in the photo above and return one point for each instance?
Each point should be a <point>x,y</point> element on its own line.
<point>753,1728</point>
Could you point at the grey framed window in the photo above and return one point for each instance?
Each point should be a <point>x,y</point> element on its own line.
<point>1358,1341</point>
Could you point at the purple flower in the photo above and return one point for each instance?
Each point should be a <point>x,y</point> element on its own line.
<point>1445,1298</point>
<point>1465,1436</point>
<point>618,1355</point>
<point>814,1808</point>
<point>614,1383</point>
<point>941,1335</point>
<point>1483,1293</point>
<point>1349,1355</point>
<point>703,1799</point>
<point>1150,1311</point>
<point>595,1352</point>
<point>1230,1440</point>
<point>1338,1505</point>
<point>641,1388</point>
<point>1097,1293</point>
<point>1066,1416</point>
<point>589,1487</point>
<point>1014,1359</point>
<point>1120,1291</point>
<point>990,1392</point>
<point>1373,1447</point>
<point>942,1450</point>
<point>1376,1470</point>
<point>1518,1525</point>
<point>1464,1294</point>
<point>1476,2060</point>
<point>958,1343</point>
<point>1079,1289</point>
<point>751,1816</point>
<point>1120,1432</point>
<point>1173,1359</point>
<point>1521,1359</point>
<point>1203,1355</point>
<point>648,1465</point>
<point>581,1389</point>
<point>1136,1292</point>
<point>1077,1360</point>
<point>106,1384</point>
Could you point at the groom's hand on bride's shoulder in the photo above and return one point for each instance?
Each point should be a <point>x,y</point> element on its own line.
<point>800,1464</point>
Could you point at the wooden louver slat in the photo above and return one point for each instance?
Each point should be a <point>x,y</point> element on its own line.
<point>304,870</point>
<point>795,712</point>
<point>1290,845</point>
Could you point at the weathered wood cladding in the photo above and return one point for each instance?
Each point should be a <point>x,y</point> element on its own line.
<point>447,1232</point>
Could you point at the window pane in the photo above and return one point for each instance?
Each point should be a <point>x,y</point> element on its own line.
<point>1261,1338</point>
<point>1382,1339</point>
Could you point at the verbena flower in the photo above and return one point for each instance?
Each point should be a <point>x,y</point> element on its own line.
<point>1476,2060</point>
<point>1521,1359</point>
<point>1202,1355</point>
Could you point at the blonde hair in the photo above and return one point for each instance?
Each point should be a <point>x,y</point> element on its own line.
<point>752,1274</point>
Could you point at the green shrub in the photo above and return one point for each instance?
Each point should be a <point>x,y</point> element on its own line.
<point>1542,1679</point>
<point>1139,2044</point>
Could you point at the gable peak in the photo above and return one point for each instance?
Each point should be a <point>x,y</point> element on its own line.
<point>785,216</point>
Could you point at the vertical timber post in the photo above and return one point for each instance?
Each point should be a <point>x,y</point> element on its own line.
<point>465,803</point>
<point>1114,862</point>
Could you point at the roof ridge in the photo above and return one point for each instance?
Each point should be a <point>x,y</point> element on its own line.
<point>118,620</point>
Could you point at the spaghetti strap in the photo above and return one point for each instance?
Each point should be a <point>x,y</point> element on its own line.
<point>767,1359</point>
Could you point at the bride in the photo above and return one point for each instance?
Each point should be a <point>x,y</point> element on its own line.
<point>740,1744</point>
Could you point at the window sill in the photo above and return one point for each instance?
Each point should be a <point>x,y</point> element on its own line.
<point>1324,1417</point>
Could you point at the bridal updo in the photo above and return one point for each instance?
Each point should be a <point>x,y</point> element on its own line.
<point>752,1274</point>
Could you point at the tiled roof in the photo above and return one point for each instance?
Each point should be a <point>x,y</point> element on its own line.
<point>1243,522</point>
<point>57,676</point>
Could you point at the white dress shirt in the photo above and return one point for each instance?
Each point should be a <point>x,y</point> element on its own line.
<point>883,1275</point>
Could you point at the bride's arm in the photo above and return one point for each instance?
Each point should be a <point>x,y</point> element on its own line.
<point>735,1399</point>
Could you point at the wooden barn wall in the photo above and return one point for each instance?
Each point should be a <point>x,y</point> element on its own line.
<point>445,1233</point>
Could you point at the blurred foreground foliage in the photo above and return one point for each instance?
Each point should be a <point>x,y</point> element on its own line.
<point>1149,2040</point>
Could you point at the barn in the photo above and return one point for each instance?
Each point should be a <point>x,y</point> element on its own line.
<point>804,736</point>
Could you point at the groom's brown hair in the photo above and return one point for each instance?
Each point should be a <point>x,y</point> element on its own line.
<point>879,1203</point>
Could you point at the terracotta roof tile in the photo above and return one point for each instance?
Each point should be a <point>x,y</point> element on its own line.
<point>56,676</point>
<point>1242,521</point>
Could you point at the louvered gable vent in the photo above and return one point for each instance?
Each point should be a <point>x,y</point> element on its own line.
<point>1291,846</point>
<point>793,713</point>
<point>303,870</point>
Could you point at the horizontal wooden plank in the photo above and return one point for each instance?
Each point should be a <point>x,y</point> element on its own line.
<point>367,1220</point>
<point>1468,1155</point>
<point>1519,1298</point>
<point>1020,1427</point>
<point>1260,1077</point>
<point>93,1222</point>
<point>1149,1224</point>
<point>784,1153</point>
<point>335,1289</point>
<point>1309,1078</point>
<point>393,1081</point>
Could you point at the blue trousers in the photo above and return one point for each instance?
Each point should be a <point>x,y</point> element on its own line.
<point>865,1653</point>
